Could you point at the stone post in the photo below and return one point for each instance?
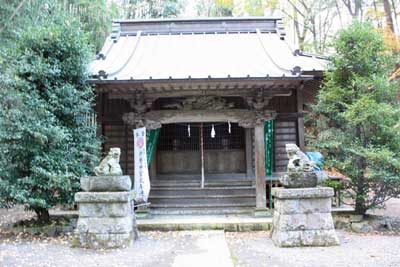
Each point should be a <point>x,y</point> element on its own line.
<point>302,217</point>
<point>106,214</point>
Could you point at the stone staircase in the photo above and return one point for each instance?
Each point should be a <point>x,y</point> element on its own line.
<point>185,197</point>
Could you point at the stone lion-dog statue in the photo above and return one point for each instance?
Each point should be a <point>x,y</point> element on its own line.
<point>298,161</point>
<point>110,164</point>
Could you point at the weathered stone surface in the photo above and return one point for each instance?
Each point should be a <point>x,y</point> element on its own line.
<point>105,210</point>
<point>299,179</point>
<point>106,219</point>
<point>310,221</point>
<point>361,227</point>
<point>106,183</point>
<point>302,217</point>
<point>110,164</point>
<point>305,238</point>
<point>301,193</point>
<point>103,197</point>
<point>101,241</point>
<point>308,205</point>
<point>105,225</point>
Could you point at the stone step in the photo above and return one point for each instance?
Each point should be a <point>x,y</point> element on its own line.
<point>179,184</point>
<point>232,201</point>
<point>202,196</point>
<point>236,223</point>
<point>202,211</point>
<point>202,192</point>
<point>201,206</point>
<point>175,195</point>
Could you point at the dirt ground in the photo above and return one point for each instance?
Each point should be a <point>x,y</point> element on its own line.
<point>153,249</point>
<point>163,248</point>
<point>257,249</point>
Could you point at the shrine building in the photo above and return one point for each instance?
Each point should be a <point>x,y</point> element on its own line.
<point>226,95</point>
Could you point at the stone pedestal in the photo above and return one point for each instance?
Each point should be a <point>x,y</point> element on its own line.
<point>106,219</point>
<point>302,217</point>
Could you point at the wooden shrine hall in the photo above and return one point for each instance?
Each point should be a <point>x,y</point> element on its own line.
<point>209,85</point>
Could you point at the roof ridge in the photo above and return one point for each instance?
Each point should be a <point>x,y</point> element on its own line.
<point>205,19</point>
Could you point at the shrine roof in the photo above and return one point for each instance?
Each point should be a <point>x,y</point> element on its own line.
<point>214,48</point>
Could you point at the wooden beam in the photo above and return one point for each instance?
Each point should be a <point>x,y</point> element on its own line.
<point>185,116</point>
<point>261,198</point>
<point>196,92</point>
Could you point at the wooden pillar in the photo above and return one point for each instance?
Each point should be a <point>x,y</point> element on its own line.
<point>261,199</point>
<point>300,119</point>
<point>249,148</point>
<point>99,113</point>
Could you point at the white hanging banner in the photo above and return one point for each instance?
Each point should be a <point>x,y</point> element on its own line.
<point>142,180</point>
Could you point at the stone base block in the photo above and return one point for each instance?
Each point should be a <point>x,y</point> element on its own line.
<point>106,225</point>
<point>105,210</point>
<point>309,221</point>
<point>302,193</point>
<point>303,206</point>
<point>299,179</point>
<point>302,217</point>
<point>106,183</point>
<point>312,238</point>
<point>103,197</point>
<point>103,241</point>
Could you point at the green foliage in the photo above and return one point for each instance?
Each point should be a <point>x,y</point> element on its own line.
<point>45,141</point>
<point>144,9</point>
<point>358,116</point>
<point>336,185</point>
<point>94,16</point>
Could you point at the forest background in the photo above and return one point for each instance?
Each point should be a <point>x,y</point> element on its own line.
<point>310,24</point>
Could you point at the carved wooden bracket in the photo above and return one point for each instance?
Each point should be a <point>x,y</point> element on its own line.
<point>137,120</point>
<point>259,101</point>
<point>139,103</point>
<point>258,118</point>
<point>202,103</point>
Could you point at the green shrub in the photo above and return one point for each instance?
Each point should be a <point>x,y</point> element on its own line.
<point>358,116</point>
<point>46,141</point>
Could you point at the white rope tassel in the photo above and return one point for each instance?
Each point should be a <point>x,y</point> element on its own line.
<point>229,127</point>
<point>212,131</point>
<point>189,130</point>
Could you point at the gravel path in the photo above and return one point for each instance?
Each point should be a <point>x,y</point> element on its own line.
<point>152,249</point>
<point>173,248</point>
<point>257,249</point>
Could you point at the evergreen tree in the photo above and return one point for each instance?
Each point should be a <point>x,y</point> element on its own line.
<point>47,135</point>
<point>358,116</point>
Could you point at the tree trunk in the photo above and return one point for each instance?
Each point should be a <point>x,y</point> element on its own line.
<point>360,199</point>
<point>388,15</point>
<point>42,214</point>
<point>396,23</point>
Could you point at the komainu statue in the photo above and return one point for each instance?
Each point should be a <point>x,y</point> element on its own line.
<point>298,161</point>
<point>110,164</point>
<point>300,170</point>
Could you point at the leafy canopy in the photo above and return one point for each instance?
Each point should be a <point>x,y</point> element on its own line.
<point>358,116</point>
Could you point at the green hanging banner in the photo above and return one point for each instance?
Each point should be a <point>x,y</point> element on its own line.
<point>151,143</point>
<point>268,138</point>
<point>269,141</point>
